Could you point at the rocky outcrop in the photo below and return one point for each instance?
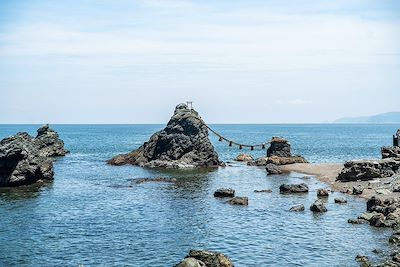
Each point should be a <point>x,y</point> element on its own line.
<point>25,160</point>
<point>204,258</point>
<point>244,157</point>
<point>278,153</point>
<point>390,152</point>
<point>183,143</point>
<point>368,169</point>
<point>293,188</point>
<point>49,142</point>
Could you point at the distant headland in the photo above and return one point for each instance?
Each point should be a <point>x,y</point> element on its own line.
<point>388,117</point>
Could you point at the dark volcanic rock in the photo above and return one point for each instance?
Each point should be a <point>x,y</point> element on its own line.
<point>390,152</point>
<point>25,160</point>
<point>244,201</point>
<point>293,188</point>
<point>224,192</point>
<point>49,142</point>
<point>273,169</point>
<point>183,143</point>
<point>368,169</point>
<point>204,258</point>
<point>279,147</point>
<point>318,206</point>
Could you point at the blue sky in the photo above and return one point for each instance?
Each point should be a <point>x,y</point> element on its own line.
<point>132,61</point>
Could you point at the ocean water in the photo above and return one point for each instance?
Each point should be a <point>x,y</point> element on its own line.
<point>94,214</point>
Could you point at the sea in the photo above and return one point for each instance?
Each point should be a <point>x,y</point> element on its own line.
<point>94,214</point>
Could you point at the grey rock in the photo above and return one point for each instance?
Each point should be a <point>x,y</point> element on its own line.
<point>322,192</point>
<point>357,190</point>
<point>191,262</point>
<point>279,147</point>
<point>183,143</point>
<point>293,188</point>
<point>273,169</point>
<point>224,192</point>
<point>368,169</point>
<point>318,206</point>
<point>390,152</point>
<point>340,200</point>
<point>357,221</point>
<point>208,258</point>
<point>263,191</point>
<point>244,201</point>
<point>297,208</point>
<point>49,142</point>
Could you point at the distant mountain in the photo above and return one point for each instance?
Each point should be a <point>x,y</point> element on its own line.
<point>389,117</point>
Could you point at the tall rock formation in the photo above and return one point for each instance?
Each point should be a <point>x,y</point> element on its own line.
<point>183,143</point>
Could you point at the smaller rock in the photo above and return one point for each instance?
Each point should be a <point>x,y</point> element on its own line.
<point>340,200</point>
<point>318,206</point>
<point>394,239</point>
<point>382,191</point>
<point>263,191</point>
<point>367,215</point>
<point>357,221</point>
<point>244,157</point>
<point>273,169</point>
<point>373,201</point>
<point>293,188</point>
<point>357,190</point>
<point>322,193</point>
<point>378,220</point>
<point>244,201</point>
<point>297,208</point>
<point>377,251</point>
<point>155,180</point>
<point>191,262</point>
<point>224,192</point>
<point>396,257</point>
<point>396,188</point>
<point>363,260</point>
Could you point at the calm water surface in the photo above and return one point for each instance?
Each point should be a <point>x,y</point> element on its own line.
<point>95,215</point>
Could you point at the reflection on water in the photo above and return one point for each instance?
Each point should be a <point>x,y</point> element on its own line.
<point>92,214</point>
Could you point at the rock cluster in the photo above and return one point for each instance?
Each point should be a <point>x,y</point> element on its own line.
<point>204,258</point>
<point>279,153</point>
<point>390,152</point>
<point>183,143</point>
<point>25,160</point>
<point>368,169</point>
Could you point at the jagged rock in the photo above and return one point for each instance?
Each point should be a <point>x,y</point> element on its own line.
<point>357,221</point>
<point>244,157</point>
<point>318,206</point>
<point>297,208</point>
<point>244,201</point>
<point>206,259</point>
<point>49,142</point>
<point>340,200</point>
<point>224,192</point>
<point>21,162</point>
<point>390,152</point>
<point>183,143</point>
<point>368,169</point>
<point>357,190</point>
<point>322,193</point>
<point>293,188</point>
<point>273,169</point>
<point>279,147</point>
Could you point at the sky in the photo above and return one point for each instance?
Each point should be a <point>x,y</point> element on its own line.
<point>239,61</point>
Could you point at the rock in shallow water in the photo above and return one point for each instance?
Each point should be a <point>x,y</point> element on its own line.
<point>293,188</point>
<point>297,208</point>
<point>224,192</point>
<point>244,201</point>
<point>340,200</point>
<point>183,143</point>
<point>322,192</point>
<point>204,258</point>
<point>318,206</point>
<point>25,160</point>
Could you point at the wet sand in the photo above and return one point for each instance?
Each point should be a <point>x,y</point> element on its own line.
<point>327,173</point>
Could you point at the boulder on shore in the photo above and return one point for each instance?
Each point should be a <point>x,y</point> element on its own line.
<point>293,188</point>
<point>368,169</point>
<point>25,160</point>
<point>204,258</point>
<point>183,143</point>
<point>390,152</point>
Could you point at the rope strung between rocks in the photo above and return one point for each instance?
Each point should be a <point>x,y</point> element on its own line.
<point>222,138</point>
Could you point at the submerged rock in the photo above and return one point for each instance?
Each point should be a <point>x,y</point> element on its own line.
<point>340,200</point>
<point>244,157</point>
<point>293,188</point>
<point>224,192</point>
<point>155,180</point>
<point>244,201</point>
<point>183,143</point>
<point>318,206</point>
<point>263,191</point>
<point>25,160</point>
<point>204,258</point>
<point>368,169</point>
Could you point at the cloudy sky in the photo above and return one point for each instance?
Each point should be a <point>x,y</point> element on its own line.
<point>239,61</point>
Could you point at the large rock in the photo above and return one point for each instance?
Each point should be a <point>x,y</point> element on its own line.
<point>273,169</point>
<point>318,206</point>
<point>390,152</point>
<point>224,192</point>
<point>49,142</point>
<point>293,188</point>
<point>368,169</point>
<point>279,147</point>
<point>25,160</point>
<point>183,143</point>
<point>204,258</point>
